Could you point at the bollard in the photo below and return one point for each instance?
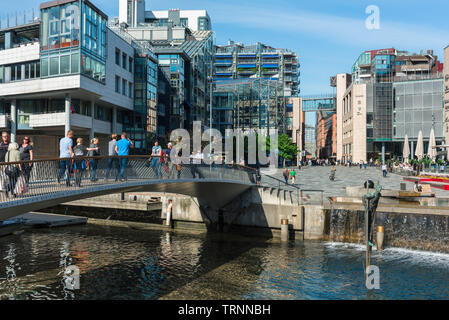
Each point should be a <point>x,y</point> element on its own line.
<point>284,230</point>
<point>380,238</point>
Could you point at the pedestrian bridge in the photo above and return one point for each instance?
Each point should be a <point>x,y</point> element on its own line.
<point>218,185</point>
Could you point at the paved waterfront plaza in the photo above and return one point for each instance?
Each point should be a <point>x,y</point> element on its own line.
<point>317,178</point>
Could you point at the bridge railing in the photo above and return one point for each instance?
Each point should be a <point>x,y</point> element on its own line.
<point>26,179</point>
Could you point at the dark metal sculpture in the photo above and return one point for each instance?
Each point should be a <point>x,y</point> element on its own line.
<point>370,201</point>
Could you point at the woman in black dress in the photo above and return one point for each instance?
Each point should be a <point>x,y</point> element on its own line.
<point>26,154</point>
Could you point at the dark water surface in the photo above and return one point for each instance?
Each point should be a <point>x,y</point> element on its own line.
<point>120,263</point>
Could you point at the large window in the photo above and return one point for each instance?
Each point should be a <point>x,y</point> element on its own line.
<point>93,68</point>
<point>95,31</point>
<point>60,26</point>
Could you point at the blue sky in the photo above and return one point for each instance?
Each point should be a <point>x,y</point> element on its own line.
<point>329,35</point>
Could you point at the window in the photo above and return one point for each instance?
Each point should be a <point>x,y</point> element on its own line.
<point>117,84</point>
<point>130,64</point>
<point>54,66</point>
<point>130,91</point>
<point>117,56</point>
<point>124,60</point>
<point>124,87</point>
<point>65,64</point>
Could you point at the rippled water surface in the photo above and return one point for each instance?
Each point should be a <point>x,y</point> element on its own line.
<point>129,264</point>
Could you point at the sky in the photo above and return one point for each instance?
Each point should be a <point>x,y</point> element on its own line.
<point>328,35</point>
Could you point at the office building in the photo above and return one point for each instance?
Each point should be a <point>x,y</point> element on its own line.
<point>391,94</point>
<point>134,14</point>
<point>278,70</point>
<point>68,70</point>
<point>185,59</point>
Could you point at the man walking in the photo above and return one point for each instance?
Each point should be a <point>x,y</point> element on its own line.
<point>66,152</point>
<point>384,170</point>
<point>112,162</point>
<point>122,148</point>
<point>156,153</point>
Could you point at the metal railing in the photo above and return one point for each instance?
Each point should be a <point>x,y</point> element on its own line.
<point>53,177</point>
<point>28,179</point>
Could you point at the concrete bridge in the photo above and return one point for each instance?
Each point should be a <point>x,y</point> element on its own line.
<point>217,185</point>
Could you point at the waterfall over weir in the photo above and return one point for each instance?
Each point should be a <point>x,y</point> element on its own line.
<point>427,232</point>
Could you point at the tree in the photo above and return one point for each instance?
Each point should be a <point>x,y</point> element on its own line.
<point>287,149</point>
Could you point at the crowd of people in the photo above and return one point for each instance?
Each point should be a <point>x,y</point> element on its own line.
<point>76,157</point>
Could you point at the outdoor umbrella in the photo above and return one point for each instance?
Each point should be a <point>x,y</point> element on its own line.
<point>406,151</point>
<point>419,153</point>
<point>432,152</point>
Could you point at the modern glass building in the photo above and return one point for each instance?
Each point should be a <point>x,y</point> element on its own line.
<point>73,40</point>
<point>418,106</point>
<point>249,104</point>
<point>69,70</point>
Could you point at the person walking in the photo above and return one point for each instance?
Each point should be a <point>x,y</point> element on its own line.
<point>112,161</point>
<point>122,148</point>
<point>26,154</point>
<point>12,171</point>
<point>79,162</point>
<point>365,165</point>
<point>4,146</point>
<point>293,176</point>
<point>384,170</point>
<point>156,154</point>
<point>169,163</point>
<point>361,164</point>
<point>93,151</point>
<point>286,175</point>
<point>65,152</point>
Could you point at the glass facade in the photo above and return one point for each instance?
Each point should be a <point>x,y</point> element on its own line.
<point>73,40</point>
<point>248,104</point>
<point>418,105</point>
<point>146,91</point>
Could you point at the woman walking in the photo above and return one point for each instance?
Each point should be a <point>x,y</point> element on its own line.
<point>80,152</point>
<point>12,171</point>
<point>93,151</point>
<point>27,154</point>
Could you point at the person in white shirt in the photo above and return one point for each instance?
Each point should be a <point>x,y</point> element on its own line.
<point>384,170</point>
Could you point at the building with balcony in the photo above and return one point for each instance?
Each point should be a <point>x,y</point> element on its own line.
<point>68,70</point>
<point>277,68</point>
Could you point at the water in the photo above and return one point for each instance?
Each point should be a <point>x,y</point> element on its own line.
<point>130,264</point>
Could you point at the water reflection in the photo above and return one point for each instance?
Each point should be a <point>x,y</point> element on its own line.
<point>129,264</point>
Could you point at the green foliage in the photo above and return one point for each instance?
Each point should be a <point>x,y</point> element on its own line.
<point>287,149</point>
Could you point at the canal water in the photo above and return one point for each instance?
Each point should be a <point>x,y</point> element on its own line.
<point>117,263</point>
